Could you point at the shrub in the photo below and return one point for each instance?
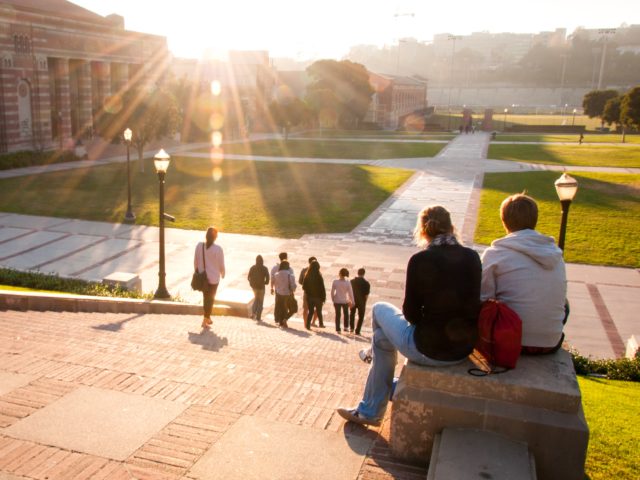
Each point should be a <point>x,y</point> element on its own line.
<point>30,159</point>
<point>41,281</point>
<point>614,369</point>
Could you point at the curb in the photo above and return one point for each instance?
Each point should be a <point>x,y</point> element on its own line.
<point>25,301</point>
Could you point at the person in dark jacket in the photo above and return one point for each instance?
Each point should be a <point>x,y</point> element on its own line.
<point>258,278</point>
<point>437,325</point>
<point>313,287</point>
<point>361,289</point>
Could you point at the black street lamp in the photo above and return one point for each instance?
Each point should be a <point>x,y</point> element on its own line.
<point>566,188</point>
<point>161,162</point>
<point>573,120</point>
<point>129,216</point>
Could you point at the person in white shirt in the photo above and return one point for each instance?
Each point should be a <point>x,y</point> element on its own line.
<point>209,257</point>
<point>284,284</point>
<point>342,298</point>
<point>526,271</point>
<point>282,256</point>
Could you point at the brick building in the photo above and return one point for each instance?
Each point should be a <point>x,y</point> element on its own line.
<point>395,98</point>
<point>59,64</point>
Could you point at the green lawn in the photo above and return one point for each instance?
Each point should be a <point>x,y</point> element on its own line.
<point>604,219</point>
<point>336,149</point>
<point>612,409</point>
<point>262,198</point>
<point>570,155</point>
<point>377,134</point>
<point>564,138</point>
<point>518,119</point>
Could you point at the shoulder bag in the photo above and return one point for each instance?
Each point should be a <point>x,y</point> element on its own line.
<point>199,279</point>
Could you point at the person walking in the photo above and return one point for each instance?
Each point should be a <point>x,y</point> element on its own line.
<point>258,277</point>
<point>361,289</point>
<point>209,258</point>
<point>342,298</point>
<point>437,325</point>
<point>315,293</point>
<point>305,302</point>
<point>282,257</point>
<point>284,285</point>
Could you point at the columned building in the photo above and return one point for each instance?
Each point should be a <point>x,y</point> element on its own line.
<point>60,65</point>
<point>394,99</point>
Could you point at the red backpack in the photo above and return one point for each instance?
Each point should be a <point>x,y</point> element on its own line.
<point>499,334</point>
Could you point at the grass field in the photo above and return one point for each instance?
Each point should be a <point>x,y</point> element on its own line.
<point>611,409</point>
<point>262,198</point>
<point>570,155</point>
<point>518,119</point>
<point>377,134</point>
<point>604,219</point>
<point>573,138</point>
<point>337,149</point>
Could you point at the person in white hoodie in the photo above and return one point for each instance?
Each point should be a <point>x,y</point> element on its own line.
<point>526,271</point>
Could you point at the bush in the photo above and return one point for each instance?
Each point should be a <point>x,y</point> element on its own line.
<point>41,281</point>
<point>30,159</point>
<point>617,369</point>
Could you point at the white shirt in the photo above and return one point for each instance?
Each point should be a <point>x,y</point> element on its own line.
<point>214,262</point>
<point>284,283</point>
<point>341,291</point>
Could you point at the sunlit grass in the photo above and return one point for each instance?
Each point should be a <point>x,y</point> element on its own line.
<point>572,138</point>
<point>334,149</point>
<point>604,219</point>
<point>262,198</point>
<point>377,134</point>
<point>611,409</point>
<point>570,155</point>
<point>519,119</point>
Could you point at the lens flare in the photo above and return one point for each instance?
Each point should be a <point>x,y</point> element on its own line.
<point>216,88</point>
<point>216,155</point>
<point>216,120</point>
<point>216,139</point>
<point>113,104</point>
<point>216,174</point>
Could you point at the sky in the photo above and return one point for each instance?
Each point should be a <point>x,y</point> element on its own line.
<point>305,30</point>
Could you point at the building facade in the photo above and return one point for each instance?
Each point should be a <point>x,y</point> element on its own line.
<point>395,98</point>
<point>60,65</point>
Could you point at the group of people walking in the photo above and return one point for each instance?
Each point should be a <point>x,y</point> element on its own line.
<point>349,297</point>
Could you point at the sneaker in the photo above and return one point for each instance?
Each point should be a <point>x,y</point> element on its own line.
<point>352,415</point>
<point>365,355</point>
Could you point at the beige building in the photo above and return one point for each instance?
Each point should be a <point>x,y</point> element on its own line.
<point>395,98</point>
<point>59,64</point>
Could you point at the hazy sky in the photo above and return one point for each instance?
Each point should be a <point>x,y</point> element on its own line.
<point>327,28</point>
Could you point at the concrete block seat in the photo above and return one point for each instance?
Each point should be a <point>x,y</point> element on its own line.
<point>537,403</point>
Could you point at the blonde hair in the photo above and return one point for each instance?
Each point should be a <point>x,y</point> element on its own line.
<point>432,221</point>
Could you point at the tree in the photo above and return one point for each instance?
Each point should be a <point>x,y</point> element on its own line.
<point>349,82</point>
<point>630,108</point>
<point>594,102</point>
<point>611,112</point>
<point>287,113</point>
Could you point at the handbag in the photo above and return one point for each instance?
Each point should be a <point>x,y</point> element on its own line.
<point>292,305</point>
<point>199,279</point>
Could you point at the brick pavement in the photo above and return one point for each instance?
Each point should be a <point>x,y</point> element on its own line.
<point>238,369</point>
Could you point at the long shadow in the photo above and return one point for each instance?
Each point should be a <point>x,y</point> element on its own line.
<point>208,340</point>
<point>116,326</point>
<point>332,336</point>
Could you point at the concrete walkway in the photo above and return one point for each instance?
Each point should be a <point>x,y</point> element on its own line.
<point>124,396</point>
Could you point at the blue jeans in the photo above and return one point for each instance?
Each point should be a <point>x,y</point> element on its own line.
<point>392,333</point>
<point>258,301</point>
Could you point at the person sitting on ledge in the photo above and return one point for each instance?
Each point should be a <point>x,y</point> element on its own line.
<point>437,325</point>
<point>526,271</point>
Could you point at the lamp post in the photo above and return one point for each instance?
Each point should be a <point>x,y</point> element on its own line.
<point>129,216</point>
<point>161,162</point>
<point>566,188</point>
<point>573,119</point>
<point>504,121</point>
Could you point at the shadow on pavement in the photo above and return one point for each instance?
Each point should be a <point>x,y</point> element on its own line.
<point>116,326</point>
<point>208,340</point>
<point>333,336</point>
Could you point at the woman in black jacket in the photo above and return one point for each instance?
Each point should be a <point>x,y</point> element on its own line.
<point>313,286</point>
<point>258,279</point>
<point>437,325</point>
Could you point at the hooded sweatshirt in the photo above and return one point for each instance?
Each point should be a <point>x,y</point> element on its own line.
<point>525,270</point>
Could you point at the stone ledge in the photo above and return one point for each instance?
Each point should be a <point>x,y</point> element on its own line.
<point>541,381</point>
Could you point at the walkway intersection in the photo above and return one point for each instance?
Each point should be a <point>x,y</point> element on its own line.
<point>244,400</point>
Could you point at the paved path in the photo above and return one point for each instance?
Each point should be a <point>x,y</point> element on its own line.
<point>120,396</point>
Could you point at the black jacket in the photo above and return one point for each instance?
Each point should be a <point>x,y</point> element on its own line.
<point>258,277</point>
<point>313,286</point>
<point>442,298</point>
<point>361,289</point>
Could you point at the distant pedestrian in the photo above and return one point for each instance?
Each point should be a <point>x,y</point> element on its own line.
<point>361,289</point>
<point>284,285</point>
<point>314,292</point>
<point>282,256</point>
<point>209,257</point>
<point>580,140</point>
<point>305,303</point>
<point>258,278</point>
<point>342,298</point>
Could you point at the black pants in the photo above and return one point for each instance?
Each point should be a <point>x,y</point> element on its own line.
<point>208,297</point>
<point>344,308</point>
<point>314,304</point>
<point>281,312</point>
<point>352,316</point>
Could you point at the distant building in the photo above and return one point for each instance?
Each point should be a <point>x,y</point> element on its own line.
<point>395,99</point>
<point>59,64</point>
